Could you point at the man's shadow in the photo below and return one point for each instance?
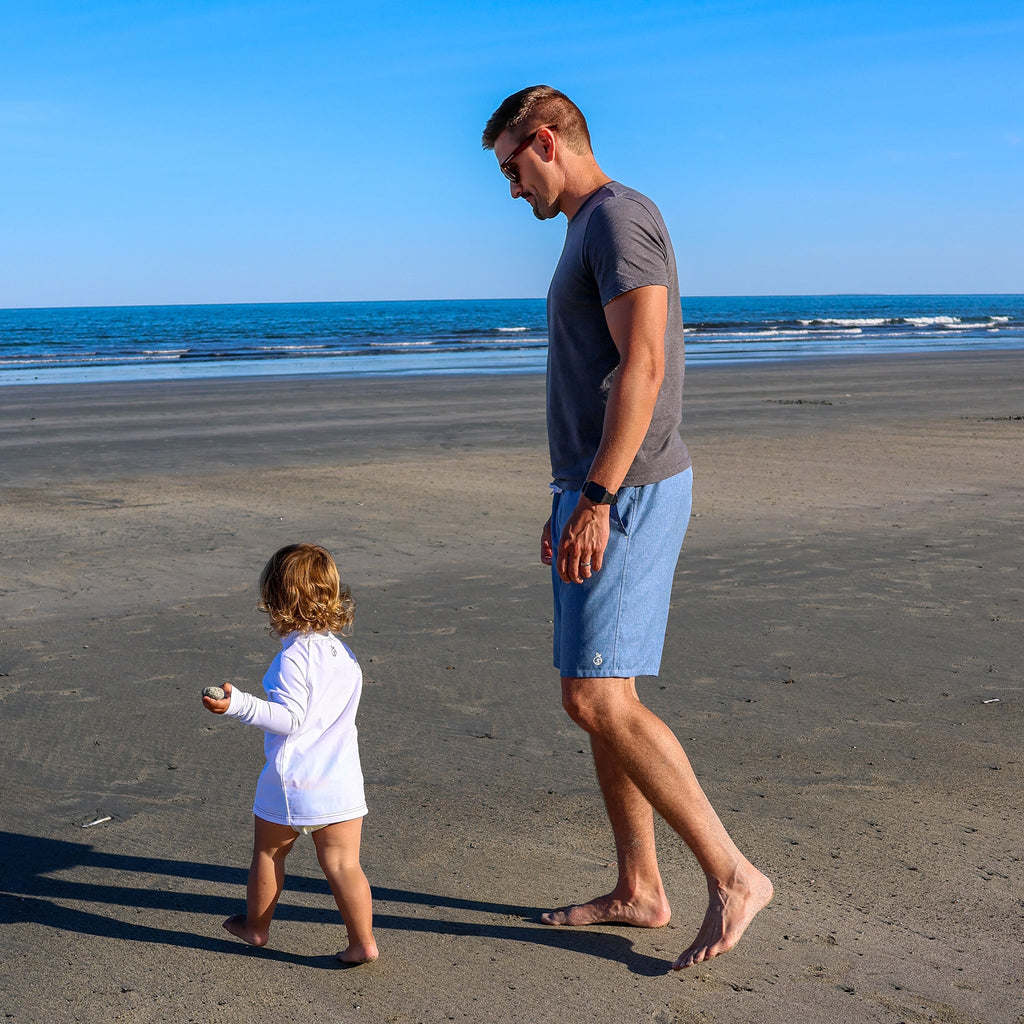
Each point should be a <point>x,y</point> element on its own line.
<point>38,879</point>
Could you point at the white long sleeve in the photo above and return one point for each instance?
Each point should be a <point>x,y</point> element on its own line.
<point>272,717</point>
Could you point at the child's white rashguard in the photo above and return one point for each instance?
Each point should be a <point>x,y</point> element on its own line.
<point>312,775</point>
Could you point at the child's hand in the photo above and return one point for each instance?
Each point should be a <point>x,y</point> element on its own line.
<point>218,707</point>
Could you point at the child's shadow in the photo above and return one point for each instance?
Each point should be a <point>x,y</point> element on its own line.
<point>41,874</point>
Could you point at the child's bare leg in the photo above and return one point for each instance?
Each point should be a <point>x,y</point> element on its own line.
<point>270,846</point>
<point>337,849</point>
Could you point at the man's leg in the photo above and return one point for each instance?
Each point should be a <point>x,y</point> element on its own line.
<point>638,897</point>
<point>646,751</point>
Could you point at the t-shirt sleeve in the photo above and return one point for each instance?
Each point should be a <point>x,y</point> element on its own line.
<point>287,687</point>
<point>624,248</point>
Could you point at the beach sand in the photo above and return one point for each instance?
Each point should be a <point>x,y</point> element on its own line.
<point>842,665</point>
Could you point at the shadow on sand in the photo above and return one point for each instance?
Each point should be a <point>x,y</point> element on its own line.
<point>73,887</point>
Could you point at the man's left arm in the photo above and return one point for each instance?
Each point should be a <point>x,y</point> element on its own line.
<point>636,320</point>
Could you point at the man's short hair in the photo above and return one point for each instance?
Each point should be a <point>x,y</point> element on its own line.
<point>536,107</point>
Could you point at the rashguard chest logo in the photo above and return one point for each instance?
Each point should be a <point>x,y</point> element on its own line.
<point>599,658</point>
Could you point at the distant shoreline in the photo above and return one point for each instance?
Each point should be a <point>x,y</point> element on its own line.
<point>356,369</point>
<point>435,386</point>
<point>471,337</point>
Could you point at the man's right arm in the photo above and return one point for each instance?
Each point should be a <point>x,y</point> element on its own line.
<point>636,322</point>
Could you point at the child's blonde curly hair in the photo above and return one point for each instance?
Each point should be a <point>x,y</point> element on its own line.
<point>301,592</point>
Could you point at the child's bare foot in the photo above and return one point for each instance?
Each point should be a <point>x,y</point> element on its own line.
<point>358,953</point>
<point>239,925</point>
<point>729,912</point>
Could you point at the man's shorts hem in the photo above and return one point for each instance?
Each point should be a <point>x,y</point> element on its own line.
<point>618,674</point>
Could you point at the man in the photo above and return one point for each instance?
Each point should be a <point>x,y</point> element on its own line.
<point>622,483</point>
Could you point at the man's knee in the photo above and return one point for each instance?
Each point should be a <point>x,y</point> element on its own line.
<point>577,708</point>
<point>590,703</point>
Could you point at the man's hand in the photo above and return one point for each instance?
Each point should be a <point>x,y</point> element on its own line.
<point>547,550</point>
<point>582,544</point>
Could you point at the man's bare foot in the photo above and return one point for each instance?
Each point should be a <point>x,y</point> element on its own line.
<point>729,912</point>
<point>610,909</point>
<point>239,925</point>
<point>358,953</point>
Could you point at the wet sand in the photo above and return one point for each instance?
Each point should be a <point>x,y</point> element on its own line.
<point>842,665</point>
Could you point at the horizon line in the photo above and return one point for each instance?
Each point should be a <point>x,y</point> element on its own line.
<point>521,298</point>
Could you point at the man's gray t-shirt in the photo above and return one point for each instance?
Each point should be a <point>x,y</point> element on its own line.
<point>616,241</point>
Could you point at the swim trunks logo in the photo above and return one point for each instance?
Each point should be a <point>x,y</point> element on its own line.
<point>599,658</point>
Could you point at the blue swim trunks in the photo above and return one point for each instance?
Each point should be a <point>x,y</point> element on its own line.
<point>613,625</point>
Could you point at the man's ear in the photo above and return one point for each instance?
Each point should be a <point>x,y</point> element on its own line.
<point>548,144</point>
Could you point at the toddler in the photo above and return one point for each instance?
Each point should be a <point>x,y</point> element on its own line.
<point>312,783</point>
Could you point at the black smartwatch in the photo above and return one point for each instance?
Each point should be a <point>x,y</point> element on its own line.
<point>597,494</point>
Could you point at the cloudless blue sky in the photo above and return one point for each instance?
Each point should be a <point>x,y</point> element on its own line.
<point>165,151</point>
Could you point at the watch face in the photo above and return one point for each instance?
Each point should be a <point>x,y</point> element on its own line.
<point>595,492</point>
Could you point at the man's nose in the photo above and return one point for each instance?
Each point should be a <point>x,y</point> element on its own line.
<point>515,189</point>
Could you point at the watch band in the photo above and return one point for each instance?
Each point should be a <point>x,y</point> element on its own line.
<point>598,494</point>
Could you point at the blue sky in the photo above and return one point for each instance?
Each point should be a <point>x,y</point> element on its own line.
<point>165,152</point>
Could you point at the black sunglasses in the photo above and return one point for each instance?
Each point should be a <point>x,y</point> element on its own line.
<point>511,173</point>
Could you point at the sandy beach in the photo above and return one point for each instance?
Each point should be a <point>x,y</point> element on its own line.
<point>843,666</point>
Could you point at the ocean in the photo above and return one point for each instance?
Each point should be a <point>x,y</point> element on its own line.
<point>467,336</point>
